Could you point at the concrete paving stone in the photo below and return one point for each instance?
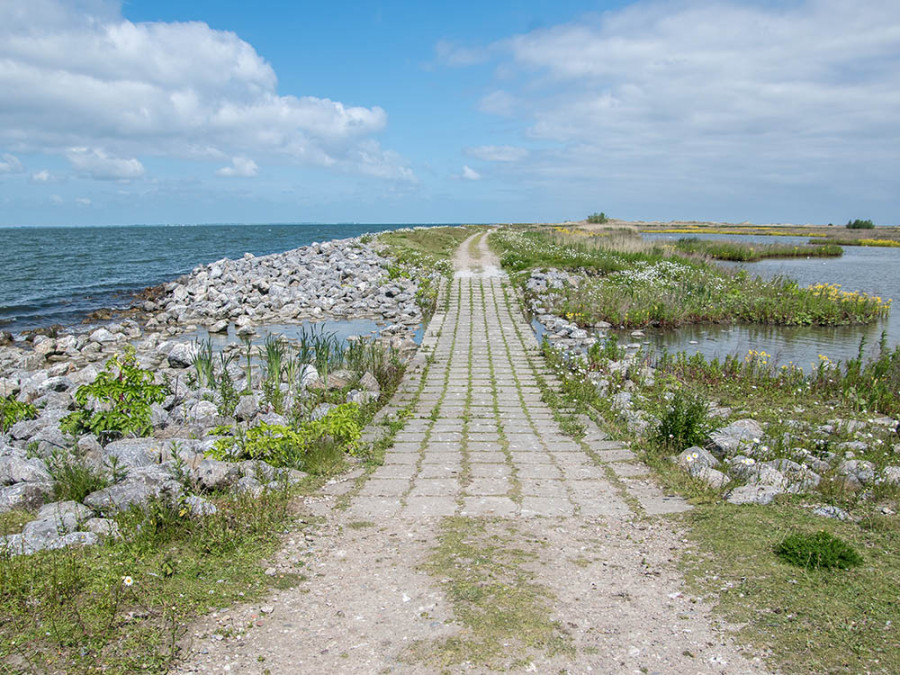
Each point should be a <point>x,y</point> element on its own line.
<point>483,446</point>
<point>403,446</point>
<point>482,437</point>
<point>524,443</point>
<point>384,487</point>
<point>445,470</point>
<point>434,487</point>
<point>588,472</point>
<point>446,425</point>
<point>522,457</point>
<point>488,486</point>
<point>546,506</point>
<point>482,427</point>
<point>446,437</point>
<point>436,448</point>
<point>630,469</point>
<point>607,445</point>
<point>365,508</point>
<point>543,488</point>
<point>400,458</point>
<point>417,507</point>
<point>652,498</point>
<point>488,470</point>
<point>538,471</point>
<point>489,506</point>
<point>405,471</point>
<point>616,455</point>
<point>487,457</point>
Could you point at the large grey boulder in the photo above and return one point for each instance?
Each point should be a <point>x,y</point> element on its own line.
<point>753,494</point>
<point>26,496</point>
<point>20,544</point>
<point>695,458</point>
<point>182,355</point>
<point>247,408</point>
<point>739,436</point>
<point>133,452</point>
<point>141,485</point>
<point>711,477</point>
<point>17,469</point>
<point>857,469</point>
<point>66,516</point>
<point>214,474</point>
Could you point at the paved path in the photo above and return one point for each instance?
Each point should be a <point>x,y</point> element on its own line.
<point>481,491</point>
<point>482,442</point>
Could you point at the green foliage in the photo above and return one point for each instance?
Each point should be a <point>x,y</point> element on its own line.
<point>291,446</point>
<point>124,607</point>
<point>598,218</point>
<point>651,285</point>
<point>860,224</point>
<point>117,402</point>
<point>274,354</point>
<point>203,363</point>
<point>684,422</point>
<point>817,551</point>
<point>73,477</point>
<point>12,411</point>
<point>740,252</point>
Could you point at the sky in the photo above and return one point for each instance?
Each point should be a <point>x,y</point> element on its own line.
<point>224,111</point>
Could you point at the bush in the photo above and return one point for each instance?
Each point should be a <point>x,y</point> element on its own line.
<point>817,551</point>
<point>684,423</point>
<point>860,224</point>
<point>117,402</point>
<point>12,411</point>
<point>598,218</point>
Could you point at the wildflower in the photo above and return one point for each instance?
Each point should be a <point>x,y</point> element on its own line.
<point>128,581</point>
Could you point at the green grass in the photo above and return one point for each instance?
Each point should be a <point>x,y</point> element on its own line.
<point>816,621</point>
<point>505,615</point>
<point>124,606</point>
<point>740,252</point>
<point>430,247</point>
<point>631,285</point>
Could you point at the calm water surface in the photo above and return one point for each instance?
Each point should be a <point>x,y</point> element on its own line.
<point>875,271</point>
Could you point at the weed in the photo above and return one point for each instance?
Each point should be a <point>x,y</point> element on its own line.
<point>685,422</point>
<point>117,402</point>
<point>12,411</point>
<point>817,551</point>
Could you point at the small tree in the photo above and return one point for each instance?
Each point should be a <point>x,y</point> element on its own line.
<point>860,224</point>
<point>598,218</point>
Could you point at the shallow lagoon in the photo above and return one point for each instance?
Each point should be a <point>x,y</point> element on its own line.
<point>875,271</point>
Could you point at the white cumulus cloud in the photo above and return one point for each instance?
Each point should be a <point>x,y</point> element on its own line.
<point>728,97</point>
<point>42,176</point>
<point>78,74</point>
<point>240,166</point>
<point>469,173</point>
<point>102,166</point>
<point>10,164</point>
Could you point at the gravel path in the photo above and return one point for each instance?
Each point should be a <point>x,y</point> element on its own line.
<point>481,466</point>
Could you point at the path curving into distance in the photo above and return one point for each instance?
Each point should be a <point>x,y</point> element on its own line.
<point>488,540</point>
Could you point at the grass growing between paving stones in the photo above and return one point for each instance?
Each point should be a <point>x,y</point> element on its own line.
<point>812,621</point>
<point>482,564</point>
<point>124,606</point>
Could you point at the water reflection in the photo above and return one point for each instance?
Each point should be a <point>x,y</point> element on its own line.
<point>875,271</point>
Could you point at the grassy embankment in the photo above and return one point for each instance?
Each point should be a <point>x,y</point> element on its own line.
<point>125,605</point>
<point>808,620</point>
<point>631,283</point>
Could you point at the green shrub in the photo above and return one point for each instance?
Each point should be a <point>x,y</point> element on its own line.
<point>12,411</point>
<point>860,225</point>
<point>684,423</point>
<point>295,447</point>
<point>117,403</point>
<point>817,551</point>
<point>73,478</point>
<point>598,218</point>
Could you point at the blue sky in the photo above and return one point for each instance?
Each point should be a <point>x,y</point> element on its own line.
<point>152,111</point>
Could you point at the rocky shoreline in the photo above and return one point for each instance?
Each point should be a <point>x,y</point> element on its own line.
<point>742,459</point>
<point>336,280</point>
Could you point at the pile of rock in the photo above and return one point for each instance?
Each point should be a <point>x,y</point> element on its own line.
<point>331,279</point>
<point>739,454</point>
